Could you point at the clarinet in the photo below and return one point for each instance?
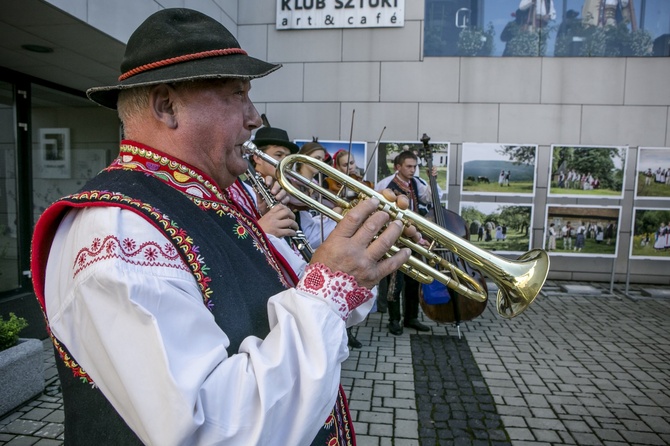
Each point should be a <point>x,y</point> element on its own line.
<point>299,241</point>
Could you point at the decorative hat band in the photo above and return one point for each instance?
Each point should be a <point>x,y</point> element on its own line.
<point>184,58</point>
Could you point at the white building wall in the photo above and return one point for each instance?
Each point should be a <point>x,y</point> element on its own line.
<point>383,76</point>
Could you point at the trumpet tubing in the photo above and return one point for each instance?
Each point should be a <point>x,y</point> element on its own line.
<point>519,281</point>
<point>299,241</point>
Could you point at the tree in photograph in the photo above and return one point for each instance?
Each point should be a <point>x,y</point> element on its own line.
<point>647,221</point>
<point>516,217</point>
<point>562,158</point>
<point>518,154</point>
<point>471,213</point>
<point>384,152</point>
<point>599,162</point>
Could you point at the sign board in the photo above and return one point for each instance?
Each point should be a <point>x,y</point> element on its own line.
<point>332,14</point>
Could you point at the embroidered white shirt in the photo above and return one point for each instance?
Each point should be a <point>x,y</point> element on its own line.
<point>133,317</point>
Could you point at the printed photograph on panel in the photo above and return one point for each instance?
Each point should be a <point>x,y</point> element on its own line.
<point>651,234</point>
<point>499,227</point>
<point>338,156</point>
<point>582,230</point>
<point>389,150</point>
<point>590,171</point>
<point>498,169</point>
<point>53,160</point>
<point>652,178</point>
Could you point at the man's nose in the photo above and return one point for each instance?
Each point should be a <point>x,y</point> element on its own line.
<point>253,119</point>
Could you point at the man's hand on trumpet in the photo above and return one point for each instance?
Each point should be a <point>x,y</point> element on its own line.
<point>356,247</point>
<point>278,220</point>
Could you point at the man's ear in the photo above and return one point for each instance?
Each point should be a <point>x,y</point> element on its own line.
<point>162,101</point>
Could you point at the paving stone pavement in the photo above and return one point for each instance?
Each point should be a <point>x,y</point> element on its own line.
<point>577,369</point>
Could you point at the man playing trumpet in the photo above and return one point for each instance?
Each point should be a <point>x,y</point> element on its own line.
<point>174,321</point>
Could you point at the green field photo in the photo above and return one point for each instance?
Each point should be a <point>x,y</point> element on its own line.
<point>587,171</point>
<point>495,169</point>
<point>498,227</point>
<point>651,233</point>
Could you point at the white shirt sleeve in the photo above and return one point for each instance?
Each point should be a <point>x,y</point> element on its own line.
<point>134,319</point>
<point>423,191</point>
<point>295,260</point>
<point>316,228</point>
<point>384,182</point>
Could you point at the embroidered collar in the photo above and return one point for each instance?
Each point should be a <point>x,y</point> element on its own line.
<point>181,176</point>
<point>404,185</point>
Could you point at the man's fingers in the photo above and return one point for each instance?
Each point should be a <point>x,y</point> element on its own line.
<point>355,218</point>
<point>387,266</point>
<point>282,197</point>
<point>385,240</point>
<point>279,221</point>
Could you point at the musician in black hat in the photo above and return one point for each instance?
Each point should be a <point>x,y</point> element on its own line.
<point>278,220</point>
<point>263,199</point>
<point>274,142</point>
<point>174,321</point>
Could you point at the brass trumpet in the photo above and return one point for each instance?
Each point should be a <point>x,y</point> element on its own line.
<point>299,241</point>
<point>519,281</point>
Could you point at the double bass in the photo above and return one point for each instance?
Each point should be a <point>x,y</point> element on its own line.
<point>439,303</point>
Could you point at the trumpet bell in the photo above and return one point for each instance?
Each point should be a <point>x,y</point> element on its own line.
<point>524,281</point>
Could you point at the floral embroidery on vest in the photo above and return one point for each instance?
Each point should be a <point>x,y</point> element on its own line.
<point>241,232</point>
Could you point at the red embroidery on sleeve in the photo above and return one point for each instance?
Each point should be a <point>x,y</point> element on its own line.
<point>314,280</point>
<point>340,290</point>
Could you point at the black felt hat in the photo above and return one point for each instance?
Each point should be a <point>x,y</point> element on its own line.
<point>175,45</point>
<point>273,136</point>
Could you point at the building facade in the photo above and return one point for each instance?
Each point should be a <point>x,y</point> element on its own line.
<point>337,84</point>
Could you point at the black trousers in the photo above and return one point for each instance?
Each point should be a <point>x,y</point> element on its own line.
<point>409,288</point>
<point>382,293</point>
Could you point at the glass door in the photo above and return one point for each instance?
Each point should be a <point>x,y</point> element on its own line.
<point>9,245</point>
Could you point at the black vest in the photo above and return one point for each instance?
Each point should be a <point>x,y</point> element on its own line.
<point>232,266</point>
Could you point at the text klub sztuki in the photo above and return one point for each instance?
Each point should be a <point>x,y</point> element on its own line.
<point>315,14</point>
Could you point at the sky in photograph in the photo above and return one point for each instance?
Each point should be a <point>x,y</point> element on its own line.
<point>653,158</point>
<point>485,151</point>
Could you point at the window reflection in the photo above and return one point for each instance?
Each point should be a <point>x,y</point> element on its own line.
<point>9,263</point>
<point>561,28</point>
